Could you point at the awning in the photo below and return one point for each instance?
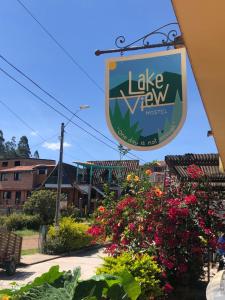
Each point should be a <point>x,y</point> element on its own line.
<point>202,24</point>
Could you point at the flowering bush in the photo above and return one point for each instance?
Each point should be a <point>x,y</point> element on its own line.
<point>177,226</point>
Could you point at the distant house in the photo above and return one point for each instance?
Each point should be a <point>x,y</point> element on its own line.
<point>158,169</point>
<point>93,175</point>
<point>68,189</point>
<point>19,177</point>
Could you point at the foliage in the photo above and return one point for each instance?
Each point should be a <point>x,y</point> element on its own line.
<point>23,149</point>
<point>10,149</point>
<point>66,285</point>
<point>42,203</point>
<point>36,154</point>
<point>142,266</point>
<point>179,224</point>
<point>68,236</point>
<point>71,211</point>
<point>20,221</point>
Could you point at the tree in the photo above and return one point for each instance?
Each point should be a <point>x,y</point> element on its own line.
<point>2,145</point>
<point>23,149</point>
<point>36,154</point>
<point>10,148</point>
<point>42,203</point>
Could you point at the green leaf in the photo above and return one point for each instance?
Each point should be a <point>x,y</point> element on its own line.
<point>130,285</point>
<point>89,288</point>
<point>47,278</point>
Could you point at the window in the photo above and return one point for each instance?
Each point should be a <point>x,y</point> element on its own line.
<point>28,194</point>
<point>7,195</point>
<point>42,171</point>
<point>3,177</point>
<point>17,176</point>
<point>17,163</point>
<point>4,164</point>
<point>18,197</point>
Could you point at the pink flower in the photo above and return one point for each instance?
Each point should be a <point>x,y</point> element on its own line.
<point>131,226</point>
<point>207,231</point>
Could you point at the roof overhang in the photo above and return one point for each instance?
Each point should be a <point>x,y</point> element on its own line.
<point>202,24</point>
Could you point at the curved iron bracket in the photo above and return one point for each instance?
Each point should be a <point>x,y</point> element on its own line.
<point>169,35</point>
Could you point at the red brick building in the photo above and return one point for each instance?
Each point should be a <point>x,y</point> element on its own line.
<point>20,176</point>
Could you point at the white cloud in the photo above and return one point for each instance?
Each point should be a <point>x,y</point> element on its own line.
<point>34,133</point>
<point>55,146</point>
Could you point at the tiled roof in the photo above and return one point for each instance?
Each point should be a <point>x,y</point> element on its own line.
<point>18,169</point>
<point>24,168</point>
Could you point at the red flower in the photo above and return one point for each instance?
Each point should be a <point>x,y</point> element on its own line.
<point>158,240</point>
<point>168,288</point>
<point>191,199</point>
<point>111,249</point>
<point>101,209</point>
<point>95,230</point>
<point>168,264</point>
<point>207,231</point>
<point>194,172</point>
<point>210,212</point>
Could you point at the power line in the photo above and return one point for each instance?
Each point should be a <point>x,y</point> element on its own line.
<point>18,117</point>
<point>27,125</point>
<point>66,52</point>
<point>56,110</point>
<point>61,103</point>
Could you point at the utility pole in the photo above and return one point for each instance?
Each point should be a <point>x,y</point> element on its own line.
<point>59,181</point>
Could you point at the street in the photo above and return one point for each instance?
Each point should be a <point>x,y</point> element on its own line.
<point>88,263</point>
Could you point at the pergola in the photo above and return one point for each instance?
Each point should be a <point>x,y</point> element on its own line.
<point>209,164</point>
<point>93,169</point>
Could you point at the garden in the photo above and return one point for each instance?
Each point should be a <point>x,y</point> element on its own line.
<point>158,242</point>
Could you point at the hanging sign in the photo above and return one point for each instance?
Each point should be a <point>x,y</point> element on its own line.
<point>146,98</point>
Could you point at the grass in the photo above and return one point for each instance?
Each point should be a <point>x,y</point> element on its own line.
<point>29,251</point>
<point>26,232</point>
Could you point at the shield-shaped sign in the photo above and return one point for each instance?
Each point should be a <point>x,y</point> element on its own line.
<point>146,98</point>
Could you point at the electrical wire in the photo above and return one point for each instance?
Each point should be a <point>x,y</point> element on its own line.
<point>61,103</point>
<point>56,110</point>
<point>66,52</point>
<point>74,61</point>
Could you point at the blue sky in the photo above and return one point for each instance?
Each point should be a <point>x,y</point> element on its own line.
<point>81,26</point>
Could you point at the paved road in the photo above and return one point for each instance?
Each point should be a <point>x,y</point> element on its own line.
<point>88,263</point>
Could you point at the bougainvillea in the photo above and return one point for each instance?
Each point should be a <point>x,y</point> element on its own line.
<point>177,226</point>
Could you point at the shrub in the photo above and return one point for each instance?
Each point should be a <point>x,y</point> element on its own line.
<point>141,266</point>
<point>21,221</point>
<point>42,203</point>
<point>68,237</point>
